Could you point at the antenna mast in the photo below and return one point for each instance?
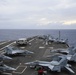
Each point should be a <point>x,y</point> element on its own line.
<point>59,35</point>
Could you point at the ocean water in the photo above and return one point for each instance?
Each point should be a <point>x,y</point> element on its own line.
<point>13,34</point>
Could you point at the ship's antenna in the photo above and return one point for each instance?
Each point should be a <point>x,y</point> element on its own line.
<point>59,35</point>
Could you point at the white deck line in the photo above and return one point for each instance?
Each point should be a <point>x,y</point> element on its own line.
<point>31,40</point>
<point>3,51</point>
<point>8,73</point>
<point>22,70</point>
<point>3,43</point>
<point>18,66</point>
<point>41,47</point>
<point>7,45</point>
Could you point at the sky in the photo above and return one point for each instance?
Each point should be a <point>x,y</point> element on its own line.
<point>37,14</point>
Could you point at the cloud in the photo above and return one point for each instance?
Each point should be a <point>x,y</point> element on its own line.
<point>43,22</point>
<point>69,22</point>
<point>37,13</point>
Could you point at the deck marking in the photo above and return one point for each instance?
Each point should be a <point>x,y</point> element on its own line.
<point>31,40</point>
<point>19,67</point>
<point>22,47</point>
<point>3,51</point>
<point>8,73</point>
<point>41,47</point>
<point>22,70</point>
<point>3,43</point>
<point>7,45</point>
<point>51,47</point>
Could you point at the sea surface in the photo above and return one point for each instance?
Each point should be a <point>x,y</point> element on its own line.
<point>14,34</point>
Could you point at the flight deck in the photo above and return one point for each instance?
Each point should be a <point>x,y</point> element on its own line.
<point>41,51</point>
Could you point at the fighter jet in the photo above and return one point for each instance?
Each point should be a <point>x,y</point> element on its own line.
<point>55,65</point>
<point>70,53</point>
<point>71,57</point>
<point>65,51</point>
<point>5,68</point>
<point>41,37</point>
<point>3,57</point>
<point>12,51</point>
<point>62,41</point>
<point>56,40</point>
<point>50,38</point>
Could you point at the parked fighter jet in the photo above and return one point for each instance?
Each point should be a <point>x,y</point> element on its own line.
<point>41,37</point>
<point>71,57</point>
<point>62,41</point>
<point>50,38</point>
<point>55,65</point>
<point>66,51</point>
<point>71,53</point>
<point>5,68</point>
<point>12,51</point>
<point>3,57</point>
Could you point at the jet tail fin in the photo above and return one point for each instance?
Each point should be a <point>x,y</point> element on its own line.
<point>63,60</point>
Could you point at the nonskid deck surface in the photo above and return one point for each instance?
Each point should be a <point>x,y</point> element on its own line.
<point>40,49</point>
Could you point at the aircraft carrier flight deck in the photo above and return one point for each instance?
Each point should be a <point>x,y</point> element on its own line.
<point>41,51</point>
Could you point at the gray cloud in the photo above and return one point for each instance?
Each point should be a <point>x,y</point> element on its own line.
<point>37,14</point>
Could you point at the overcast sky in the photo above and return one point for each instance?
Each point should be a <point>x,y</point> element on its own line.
<point>37,14</point>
